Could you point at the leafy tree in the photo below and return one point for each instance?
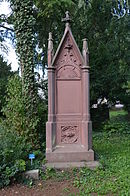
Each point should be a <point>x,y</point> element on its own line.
<point>48,16</point>
<point>5,72</point>
<point>106,35</point>
<point>14,109</point>
<point>24,22</point>
<point>125,59</point>
<point>5,30</point>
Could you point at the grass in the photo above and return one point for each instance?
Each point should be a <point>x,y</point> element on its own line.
<point>116,113</point>
<point>58,175</point>
<point>113,175</point>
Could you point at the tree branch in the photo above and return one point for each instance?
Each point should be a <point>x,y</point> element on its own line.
<point>7,28</point>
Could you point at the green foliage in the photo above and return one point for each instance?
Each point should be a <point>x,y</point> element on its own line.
<point>13,153</point>
<point>37,162</point>
<point>57,175</point>
<point>48,19</point>
<point>42,114</point>
<point>15,112</point>
<point>14,108</point>
<point>5,72</point>
<point>112,149</point>
<point>42,109</point>
<point>27,181</point>
<point>126,97</point>
<point>118,114</point>
<point>113,175</point>
<point>118,123</point>
<point>17,117</point>
<point>116,127</point>
<point>24,22</point>
<point>107,37</point>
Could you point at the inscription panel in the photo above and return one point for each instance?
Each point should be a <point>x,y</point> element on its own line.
<point>69,97</point>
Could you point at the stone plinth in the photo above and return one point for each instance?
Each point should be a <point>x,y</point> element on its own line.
<point>68,165</point>
<point>70,153</point>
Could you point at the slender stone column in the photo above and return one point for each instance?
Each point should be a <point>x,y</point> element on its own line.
<point>51,95</point>
<point>51,98</point>
<point>51,81</point>
<point>86,123</point>
<point>85,75</point>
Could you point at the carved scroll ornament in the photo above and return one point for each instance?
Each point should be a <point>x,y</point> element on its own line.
<point>69,134</point>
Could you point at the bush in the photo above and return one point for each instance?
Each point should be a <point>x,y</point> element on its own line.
<point>14,108</point>
<point>16,114</point>
<point>13,153</point>
<point>42,114</point>
<point>99,115</point>
<point>117,127</point>
<point>18,137</point>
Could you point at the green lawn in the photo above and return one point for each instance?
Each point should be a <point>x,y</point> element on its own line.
<point>117,113</point>
<point>113,152</point>
<point>113,176</point>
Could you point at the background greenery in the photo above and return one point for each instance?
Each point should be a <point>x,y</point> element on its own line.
<point>24,112</point>
<point>5,72</point>
<point>107,36</point>
<point>112,146</point>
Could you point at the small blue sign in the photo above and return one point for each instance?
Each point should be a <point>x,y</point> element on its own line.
<point>31,156</point>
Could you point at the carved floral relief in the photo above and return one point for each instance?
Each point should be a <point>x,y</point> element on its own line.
<point>69,134</point>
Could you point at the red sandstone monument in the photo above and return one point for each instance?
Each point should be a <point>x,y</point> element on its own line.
<point>69,129</point>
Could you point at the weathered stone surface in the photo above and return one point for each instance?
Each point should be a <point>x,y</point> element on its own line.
<point>70,153</point>
<point>34,174</point>
<point>62,165</point>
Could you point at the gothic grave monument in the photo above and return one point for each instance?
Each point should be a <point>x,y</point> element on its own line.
<point>69,129</point>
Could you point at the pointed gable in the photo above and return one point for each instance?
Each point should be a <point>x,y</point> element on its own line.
<point>68,59</point>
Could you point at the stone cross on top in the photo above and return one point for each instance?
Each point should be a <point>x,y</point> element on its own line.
<point>67,19</point>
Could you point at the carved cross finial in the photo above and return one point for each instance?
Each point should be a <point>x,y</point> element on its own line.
<point>67,19</point>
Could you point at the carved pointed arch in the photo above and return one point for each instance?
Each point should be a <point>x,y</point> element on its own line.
<point>68,59</point>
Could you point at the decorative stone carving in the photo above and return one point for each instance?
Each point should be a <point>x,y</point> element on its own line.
<point>68,65</point>
<point>69,134</point>
<point>68,44</point>
<point>67,55</point>
<point>68,72</point>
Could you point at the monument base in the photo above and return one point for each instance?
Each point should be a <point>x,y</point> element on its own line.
<point>70,156</point>
<point>70,153</point>
<point>68,165</point>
